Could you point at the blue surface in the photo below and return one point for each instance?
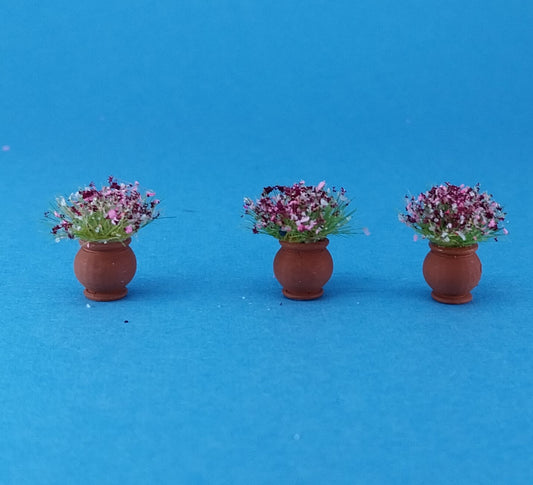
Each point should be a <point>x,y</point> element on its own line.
<point>216,378</point>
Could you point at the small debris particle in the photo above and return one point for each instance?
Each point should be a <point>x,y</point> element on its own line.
<point>88,306</point>
<point>6,148</point>
<point>366,232</point>
<point>296,437</point>
<point>126,321</point>
<point>243,297</point>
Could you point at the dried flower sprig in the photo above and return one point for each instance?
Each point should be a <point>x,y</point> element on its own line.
<point>299,213</point>
<point>454,216</point>
<point>113,213</point>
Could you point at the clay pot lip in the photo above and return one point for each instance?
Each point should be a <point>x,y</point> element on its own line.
<point>453,249</point>
<point>305,246</point>
<point>104,246</point>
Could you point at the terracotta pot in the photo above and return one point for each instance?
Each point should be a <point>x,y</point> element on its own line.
<point>452,273</point>
<point>105,269</point>
<point>303,269</point>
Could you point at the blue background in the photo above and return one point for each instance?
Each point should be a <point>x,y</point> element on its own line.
<point>216,378</point>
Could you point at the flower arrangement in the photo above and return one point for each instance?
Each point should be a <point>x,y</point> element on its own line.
<point>299,213</point>
<point>111,214</point>
<point>454,216</point>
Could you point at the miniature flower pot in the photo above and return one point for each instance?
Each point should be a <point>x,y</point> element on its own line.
<point>303,269</point>
<point>104,269</point>
<point>452,273</point>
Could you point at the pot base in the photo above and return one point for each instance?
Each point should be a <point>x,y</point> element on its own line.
<point>95,296</point>
<point>302,296</point>
<point>452,300</point>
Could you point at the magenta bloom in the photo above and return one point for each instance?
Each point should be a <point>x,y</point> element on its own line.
<point>454,216</point>
<point>112,213</point>
<point>299,213</point>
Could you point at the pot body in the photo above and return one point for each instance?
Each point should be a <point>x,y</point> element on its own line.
<point>452,273</point>
<point>104,269</point>
<point>303,269</point>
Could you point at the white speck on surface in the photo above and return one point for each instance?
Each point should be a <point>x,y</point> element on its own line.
<point>296,437</point>
<point>243,297</point>
<point>88,306</point>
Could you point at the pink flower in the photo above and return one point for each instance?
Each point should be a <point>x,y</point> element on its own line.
<point>299,213</point>
<point>120,204</point>
<point>454,215</point>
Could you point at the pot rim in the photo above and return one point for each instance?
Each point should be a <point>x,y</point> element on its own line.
<point>103,245</point>
<point>454,249</point>
<point>303,246</point>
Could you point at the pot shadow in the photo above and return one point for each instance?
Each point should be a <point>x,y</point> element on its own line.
<point>181,286</point>
<point>369,286</point>
<point>499,296</point>
<point>169,288</point>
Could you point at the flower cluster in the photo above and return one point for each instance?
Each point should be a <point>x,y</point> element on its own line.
<point>300,213</point>
<point>454,216</point>
<point>113,213</point>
